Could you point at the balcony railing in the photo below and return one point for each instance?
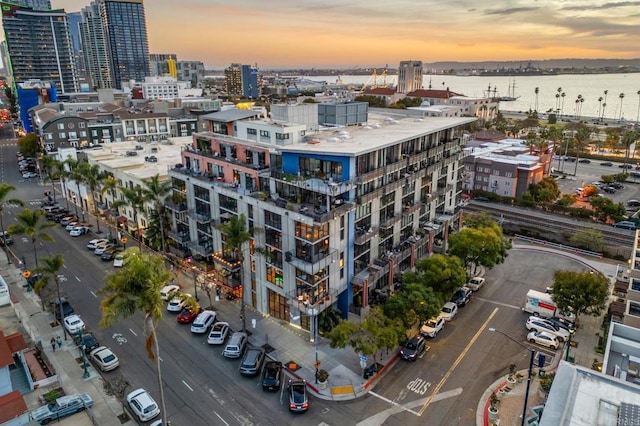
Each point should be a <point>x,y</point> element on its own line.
<point>178,207</point>
<point>199,217</point>
<point>181,237</point>
<point>196,248</point>
<point>311,264</point>
<point>312,302</point>
<point>364,235</point>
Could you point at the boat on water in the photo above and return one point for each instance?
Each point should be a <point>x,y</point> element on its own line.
<point>492,92</point>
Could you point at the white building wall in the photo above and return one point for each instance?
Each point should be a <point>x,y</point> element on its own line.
<point>298,113</point>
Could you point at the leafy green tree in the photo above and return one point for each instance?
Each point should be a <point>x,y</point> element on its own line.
<point>588,239</point>
<point>54,170</point>
<point>32,224</point>
<point>50,270</point>
<point>73,172</point>
<point>580,292</point>
<point>415,301</point>
<point>444,274</point>
<point>136,287</point>
<point>606,210</point>
<point>29,145</point>
<point>373,101</point>
<point>156,192</point>
<point>235,235</point>
<point>566,200</point>
<point>479,246</point>
<point>545,191</point>
<point>93,178</point>
<point>5,190</point>
<point>368,337</point>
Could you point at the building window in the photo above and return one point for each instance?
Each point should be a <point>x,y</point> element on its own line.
<point>507,184</point>
<point>265,133</point>
<point>496,172</point>
<point>274,276</point>
<point>62,135</point>
<point>252,131</point>
<point>48,136</point>
<point>60,126</point>
<point>282,136</point>
<point>487,170</point>
<point>479,169</point>
<point>508,174</point>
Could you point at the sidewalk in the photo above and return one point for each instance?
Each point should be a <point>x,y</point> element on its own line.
<point>37,328</point>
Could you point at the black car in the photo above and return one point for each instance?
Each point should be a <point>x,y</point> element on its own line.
<point>271,375</point>
<point>617,185</point>
<point>609,189</point>
<point>89,342</point>
<point>413,348</point>
<point>66,308</point>
<point>561,323</point>
<point>584,161</point>
<point>110,253</point>
<point>462,296</point>
<point>5,239</point>
<point>298,400</point>
<point>606,164</point>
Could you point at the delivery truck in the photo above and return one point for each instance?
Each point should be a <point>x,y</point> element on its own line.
<point>541,304</point>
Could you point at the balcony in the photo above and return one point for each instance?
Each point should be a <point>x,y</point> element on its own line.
<point>199,217</point>
<point>329,186</point>
<point>176,207</point>
<point>227,261</point>
<point>364,235</point>
<point>216,156</point>
<point>180,237</point>
<point>312,302</point>
<point>196,248</point>
<point>310,264</point>
<point>390,221</point>
<point>374,174</point>
<point>411,207</point>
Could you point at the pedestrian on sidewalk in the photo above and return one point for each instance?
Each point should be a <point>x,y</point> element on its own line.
<point>53,343</point>
<point>59,341</point>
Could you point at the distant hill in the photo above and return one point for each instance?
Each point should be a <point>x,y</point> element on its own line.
<point>544,64</point>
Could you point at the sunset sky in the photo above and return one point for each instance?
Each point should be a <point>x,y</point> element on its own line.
<point>363,33</point>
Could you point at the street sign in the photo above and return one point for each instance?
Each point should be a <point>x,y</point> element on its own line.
<point>123,240</point>
<point>363,358</point>
<point>26,274</point>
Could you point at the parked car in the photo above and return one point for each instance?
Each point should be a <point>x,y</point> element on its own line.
<point>633,203</point>
<point>176,304</point>
<point>584,161</point>
<point>543,338</point>
<point>449,311</point>
<point>562,323</point>
<point>187,316</point>
<point>102,248</point>
<point>236,345</point>
<point>271,376</point>
<point>617,185</point>
<point>432,327</point>
<point>65,220</point>
<point>252,361</point>
<point>412,348</point>
<point>104,358</point>
<point>73,324</point>
<point>110,254</point>
<point>64,406</point>
<point>482,199</point>
<point>298,400</point>
<point>143,405</point>
<point>475,283</point>
<point>89,342</point>
<point>164,292</point>
<point>607,164</point>
<point>462,296</point>
<point>78,230</point>
<point>29,175</point>
<point>537,324</point>
<point>91,245</point>
<point>218,333</point>
<point>203,321</point>
<point>61,306</point>
<point>5,238</point>
<point>625,224</point>
<point>609,189</point>
<point>71,225</point>
<point>118,261</point>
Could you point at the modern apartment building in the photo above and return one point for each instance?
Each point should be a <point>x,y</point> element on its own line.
<point>34,4</point>
<point>192,71</point>
<point>409,76</point>
<point>163,64</point>
<point>233,80</point>
<point>95,49</point>
<point>39,46</point>
<point>125,29</point>
<point>335,215</point>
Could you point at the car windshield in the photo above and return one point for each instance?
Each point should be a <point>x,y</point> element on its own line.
<point>446,310</point>
<point>431,323</point>
<point>298,393</point>
<point>150,408</point>
<point>410,345</point>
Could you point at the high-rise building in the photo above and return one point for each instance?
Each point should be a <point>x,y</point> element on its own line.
<point>39,46</point>
<point>242,80</point>
<point>192,71</point>
<point>34,4</point>
<point>125,29</point>
<point>233,80</point>
<point>94,48</point>
<point>250,82</point>
<point>160,64</point>
<point>409,76</point>
<point>74,19</point>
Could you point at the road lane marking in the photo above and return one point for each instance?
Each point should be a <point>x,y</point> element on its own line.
<point>402,407</point>
<point>133,332</point>
<point>93,294</point>
<point>188,387</point>
<point>221,419</point>
<point>64,266</point>
<point>160,358</point>
<point>78,279</point>
<point>458,361</point>
<point>498,303</point>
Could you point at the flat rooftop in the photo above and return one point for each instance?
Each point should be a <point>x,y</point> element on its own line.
<point>381,130</point>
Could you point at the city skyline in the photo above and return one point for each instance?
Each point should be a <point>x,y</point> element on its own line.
<point>380,33</point>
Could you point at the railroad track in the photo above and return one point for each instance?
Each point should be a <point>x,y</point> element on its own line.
<point>550,222</point>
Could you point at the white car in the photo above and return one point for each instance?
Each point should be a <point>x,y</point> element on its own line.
<point>218,334</point>
<point>543,338</point>
<point>101,248</point>
<point>164,292</point>
<point>118,261</point>
<point>475,283</point>
<point>71,225</point>
<point>73,324</point>
<point>203,321</point>
<point>78,230</point>
<point>539,324</point>
<point>29,175</point>
<point>104,358</point>
<point>431,327</point>
<point>91,245</point>
<point>449,310</point>
<point>143,405</point>
<point>176,304</point>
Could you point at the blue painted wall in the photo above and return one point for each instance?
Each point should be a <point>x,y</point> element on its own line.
<point>290,162</point>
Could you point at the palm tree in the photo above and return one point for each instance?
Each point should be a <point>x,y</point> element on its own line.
<point>73,173</point>
<point>5,189</point>
<point>51,270</point>
<point>136,287</point>
<point>93,178</point>
<point>31,225</point>
<point>53,169</point>
<point>621,96</point>
<point>580,138</point>
<point>536,91</point>
<point>156,192</point>
<point>135,199</point>
<point>638,115</point>
<point>562,95</point>
<point>235,235</point>
<point>599,105</point>
<point>110,184</point>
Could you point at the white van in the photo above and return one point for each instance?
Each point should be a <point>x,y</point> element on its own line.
<point>236,345</point>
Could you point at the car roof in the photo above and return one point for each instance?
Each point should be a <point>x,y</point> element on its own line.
<point>449,305</point>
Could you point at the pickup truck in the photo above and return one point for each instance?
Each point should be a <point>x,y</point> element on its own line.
<point>64,406</point>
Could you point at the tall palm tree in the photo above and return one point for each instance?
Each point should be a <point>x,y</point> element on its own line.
<point>536,91</point>
<point>621,96</point>
<point>5,190</point>
<point>599,106</point>
<point>110,184</point>
<point>51,270</point>
<point>235,236</point>
<point>562,95</point>
<point>580,139</point>
<point>73,173</point>
<point>135,199</point>
<point>93,178</point>
<point>53,169</point>
<point>136,287</point>
<point>156,192</point>
<point>31,225</point>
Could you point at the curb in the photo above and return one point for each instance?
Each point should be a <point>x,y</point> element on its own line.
<point>382,371</point>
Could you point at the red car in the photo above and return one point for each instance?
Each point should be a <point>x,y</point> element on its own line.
<point>186,316</point>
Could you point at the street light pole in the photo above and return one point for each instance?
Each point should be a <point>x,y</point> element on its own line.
<point>86,374</point>
<point>566,358</point>
<point>195,282</point>
<point>533,353</point>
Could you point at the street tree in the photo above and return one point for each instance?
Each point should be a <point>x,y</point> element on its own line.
<point>135,199</point>
<point>444,274</point>
<point>136,287</point>
<point>51,270</point>
<point>414,301</point>
<point>580,292</point>
<point>156,192</point>
<point>93,178</point>
<point>5,190</point>
<point>588,239</point>
<point>545,191</point>
<point>31,224</point>
<point>479,246</point>
<point>29,145</point>
<point>53,169</point>
<point>235,235</point>
<point>606,210</point>
<point>368,337</point>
